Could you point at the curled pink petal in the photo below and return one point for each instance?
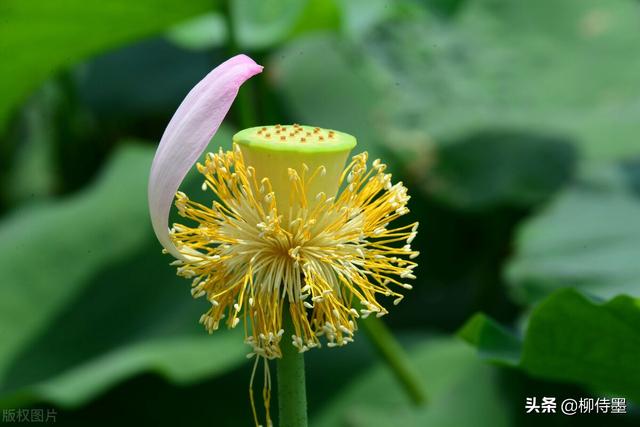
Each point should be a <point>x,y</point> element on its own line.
<point>191,128</point>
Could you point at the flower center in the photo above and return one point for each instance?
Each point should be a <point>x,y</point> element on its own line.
<point>295,138</point>
<point>283,154</point>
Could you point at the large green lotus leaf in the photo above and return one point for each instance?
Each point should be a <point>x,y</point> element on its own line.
<point>494,167</point>
<point>552,44</point>
<point>570,338</point>
<point>87,299</point>
<point>415,83</point>
<point>181,360</point>
<point>48,251</point>
<point>38,38</point>
<point>359,16</point>
<point>259,24</point>
<point>132,316</point>
<point>200,33</point>
<point>112,88</point>
<point>503,63</point>
<point>461,390</point>
<point>587,238</point>
<point>494,342</point>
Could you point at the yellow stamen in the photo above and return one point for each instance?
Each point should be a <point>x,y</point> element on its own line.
<point>330,261</point>
<point>331,256</point>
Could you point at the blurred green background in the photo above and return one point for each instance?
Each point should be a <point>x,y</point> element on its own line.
<point>514,124</point>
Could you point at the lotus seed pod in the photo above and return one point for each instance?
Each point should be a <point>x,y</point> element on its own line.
<point>282,153</point>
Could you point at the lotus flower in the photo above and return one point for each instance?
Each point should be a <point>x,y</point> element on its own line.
<point>286,229</point>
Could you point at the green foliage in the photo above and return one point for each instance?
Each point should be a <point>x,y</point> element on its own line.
<point>201,32</point>
<point>494,342</point>
<point>462,392</point>
<point>360,16</point>
<point>514,125</point>
<point>496,66</point>
<point>525,65</point>
<point>587,238</point>
<point>40,38</point>
<point>570,338</point>
<point>73,231</point>
<point>263,24</point>
<point>490,168</point>
<point>113,312</point>
<point>32,172</point>
<point>181,360</point>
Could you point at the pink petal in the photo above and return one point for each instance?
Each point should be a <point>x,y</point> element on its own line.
<point>191,128</point>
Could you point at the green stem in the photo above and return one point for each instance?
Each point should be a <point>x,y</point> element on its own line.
<point>395,357</point>
<point>292,397</point>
